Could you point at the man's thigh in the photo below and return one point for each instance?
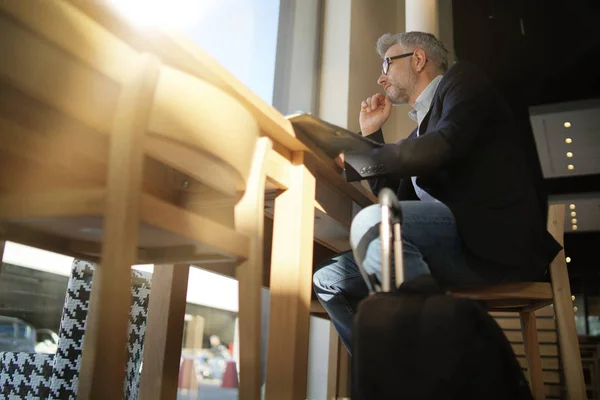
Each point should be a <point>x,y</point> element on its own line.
<point>431,243</point>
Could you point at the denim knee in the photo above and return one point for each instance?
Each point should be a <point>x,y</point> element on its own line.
<point>333,270</point>
<point>319,280</point>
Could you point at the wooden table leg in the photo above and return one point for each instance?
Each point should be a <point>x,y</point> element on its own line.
<point>104,352</point>
<point>249,220</point>
<point>333,363</point>
<point>344,372</point>
<point>291,278</point>
<point>164,332</point>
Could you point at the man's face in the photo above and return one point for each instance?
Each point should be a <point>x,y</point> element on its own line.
<point>400,80</point>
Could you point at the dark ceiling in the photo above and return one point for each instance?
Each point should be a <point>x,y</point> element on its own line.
<point>539,52</point>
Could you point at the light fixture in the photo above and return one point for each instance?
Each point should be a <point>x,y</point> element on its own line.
<point>574,221</point>
<point>572,206</point>
<point>567,124</point>
<point>574,227</point>
<point>570,167</point>
<point>569,154</point>
<point>573,214</point>
<point>568,140</point>
<point>568,259</point>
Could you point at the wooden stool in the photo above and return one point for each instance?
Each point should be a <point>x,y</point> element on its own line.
<point>109,156</point>
<point>527,297</point>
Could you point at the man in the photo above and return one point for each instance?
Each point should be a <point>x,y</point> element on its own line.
<point>470,215</point>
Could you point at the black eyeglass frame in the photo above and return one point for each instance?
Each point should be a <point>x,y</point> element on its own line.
<point>385,67</point>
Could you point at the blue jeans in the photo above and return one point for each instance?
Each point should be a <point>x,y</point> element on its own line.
<point>431,245</point>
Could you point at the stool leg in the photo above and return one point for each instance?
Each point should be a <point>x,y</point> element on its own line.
<point>291,281</point>
<point>249,220</point>
<point>532,352</point>
<point>104,353</point>
<point>164,332</point>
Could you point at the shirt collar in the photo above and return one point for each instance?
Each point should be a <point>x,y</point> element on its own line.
<point>423,102</point>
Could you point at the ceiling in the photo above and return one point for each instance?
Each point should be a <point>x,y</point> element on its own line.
<point>567,137</point>
<point>544,57</point>
<point>583,211</point>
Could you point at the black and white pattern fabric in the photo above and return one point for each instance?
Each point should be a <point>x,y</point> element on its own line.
<point>140,292</point>
<point>68,357</point>
<point>65,372</point>
<point>24,375</point>
<point>43,376</point>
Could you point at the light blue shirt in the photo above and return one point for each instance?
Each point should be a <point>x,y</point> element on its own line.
<point>418,113</point>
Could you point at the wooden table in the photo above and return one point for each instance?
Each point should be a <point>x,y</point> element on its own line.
<point>311,201</point>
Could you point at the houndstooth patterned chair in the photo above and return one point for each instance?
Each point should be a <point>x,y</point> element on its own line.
<point>25,375</point>
<point>42,376</point>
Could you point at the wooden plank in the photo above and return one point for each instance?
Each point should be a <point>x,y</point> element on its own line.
<point>291,272</point>
<point>542,312</point>
<point>58,203</point>
<point>532,352</point>
<point>164,332</point>
<point>545,350</point>
<point>193,226</point>
<point>546,337</point>
<point>44,241</point>
<point>563,308</point>
<point>202,167</point>
<point>557,392</point>
<point>28,68</point>
<point>510,291</point>
<point>249,220</point>
<point>277,169</point>
<point>104,352</point>
<point>316,307</point>
<point>548,363</point>
<point>515,324</point>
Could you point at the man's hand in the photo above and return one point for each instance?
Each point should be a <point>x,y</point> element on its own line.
<point>374,111</point>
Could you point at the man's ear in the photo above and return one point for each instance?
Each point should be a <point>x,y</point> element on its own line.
<point>420,59</point>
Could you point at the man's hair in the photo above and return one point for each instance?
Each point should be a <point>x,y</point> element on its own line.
<point>432,46</point>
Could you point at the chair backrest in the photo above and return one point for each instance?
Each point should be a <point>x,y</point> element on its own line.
<point>25,375</point>
<point>556,227</point>
<point>556,222</point>
<point>194,126</point>
<point>67,362</point>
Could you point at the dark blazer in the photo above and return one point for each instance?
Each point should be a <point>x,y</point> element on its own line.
<point>470,157</point>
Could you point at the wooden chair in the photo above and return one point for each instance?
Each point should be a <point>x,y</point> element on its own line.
<point>526,298</point>
<point>109,156</point>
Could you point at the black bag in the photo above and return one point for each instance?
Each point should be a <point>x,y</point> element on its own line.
<point>420,343</point>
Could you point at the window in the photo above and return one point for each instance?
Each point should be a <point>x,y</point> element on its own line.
<point>272,47</point>
<point>242,36</point>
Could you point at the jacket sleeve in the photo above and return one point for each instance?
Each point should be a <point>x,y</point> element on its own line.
<point>376,184</point>
<point>468,102</point>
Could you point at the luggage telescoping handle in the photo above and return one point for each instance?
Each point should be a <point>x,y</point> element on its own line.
<point>391,218</point>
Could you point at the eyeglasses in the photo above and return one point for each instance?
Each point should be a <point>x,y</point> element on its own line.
<point>387,61</point>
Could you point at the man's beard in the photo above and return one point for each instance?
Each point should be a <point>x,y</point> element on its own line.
<point>398,95</point>
<point>401,95</point>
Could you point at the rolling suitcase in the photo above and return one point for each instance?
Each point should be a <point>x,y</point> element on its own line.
<point>418,342</point>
